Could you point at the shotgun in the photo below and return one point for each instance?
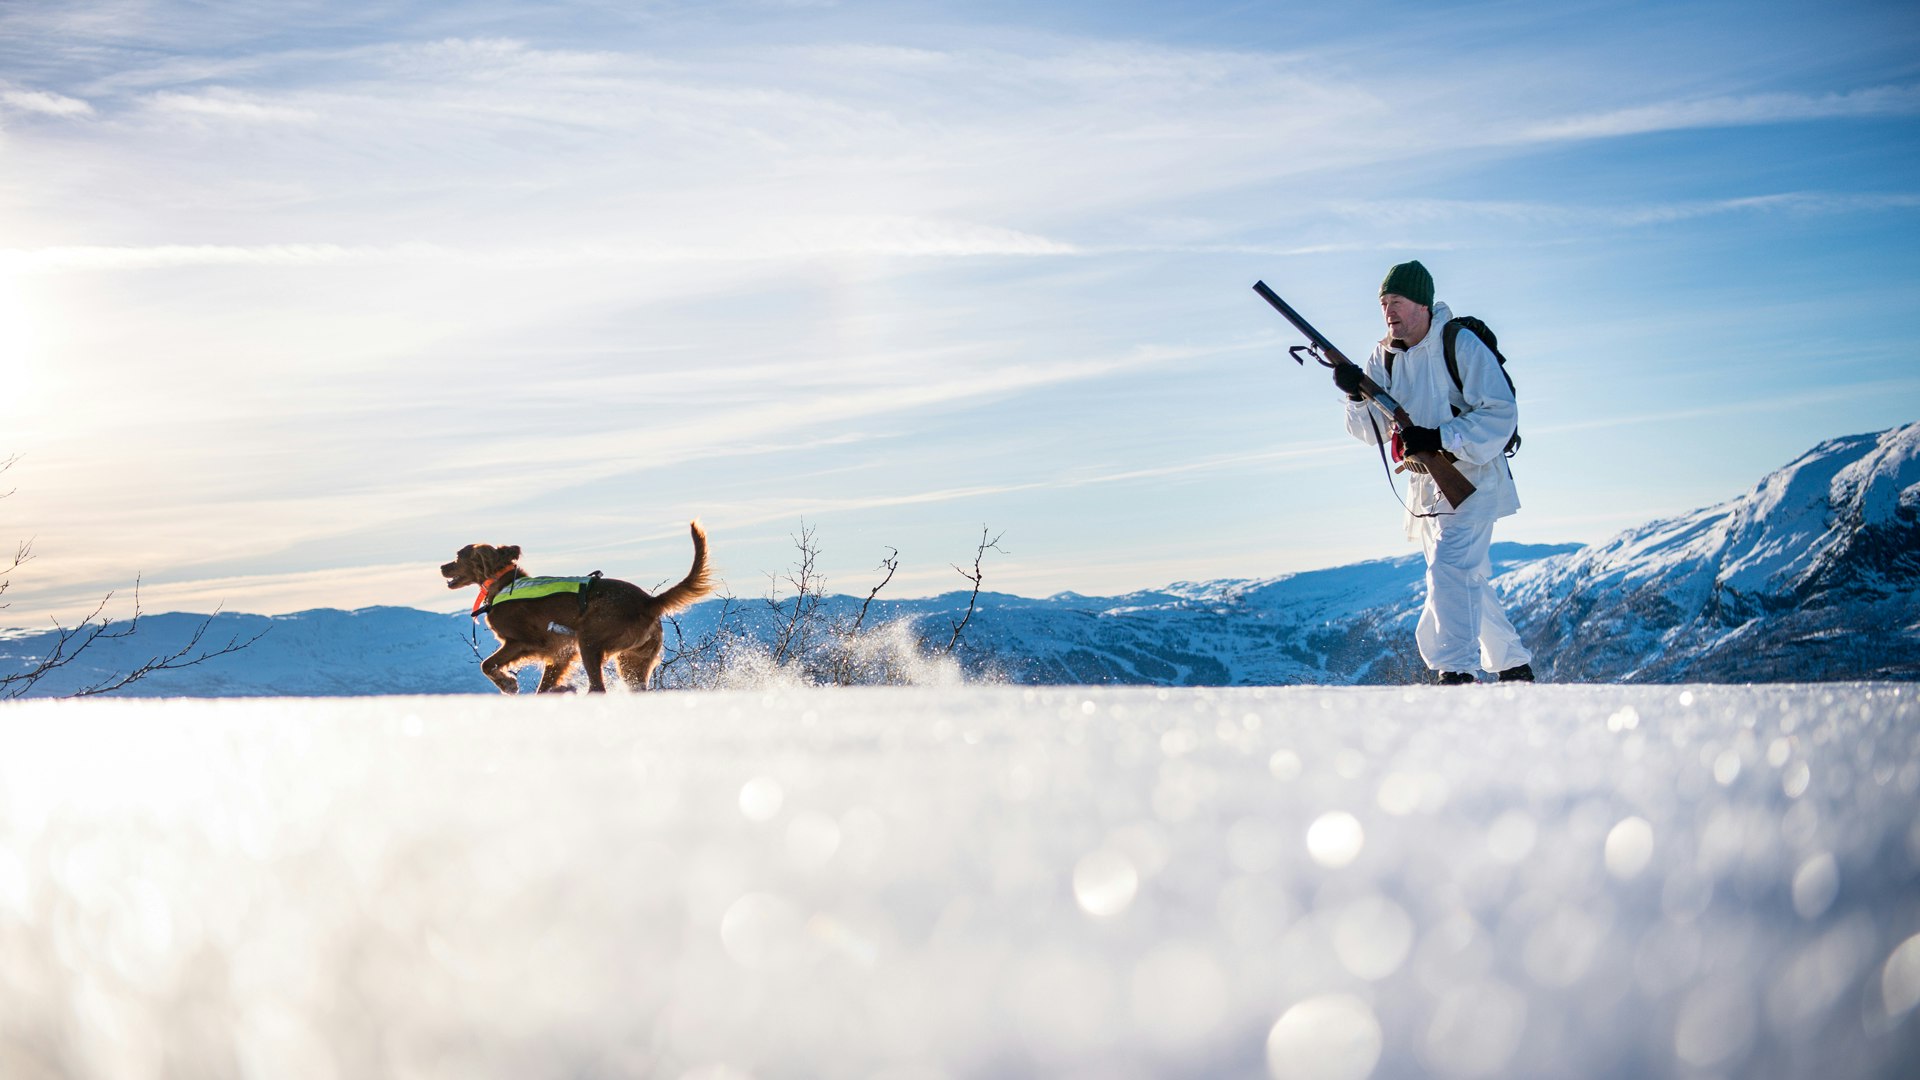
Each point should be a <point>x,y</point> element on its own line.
<point>1453,485</point>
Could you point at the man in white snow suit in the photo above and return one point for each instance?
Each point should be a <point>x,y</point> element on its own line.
<point>1462,627</point>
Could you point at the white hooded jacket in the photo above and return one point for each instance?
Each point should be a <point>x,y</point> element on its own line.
<point>1477,436</point>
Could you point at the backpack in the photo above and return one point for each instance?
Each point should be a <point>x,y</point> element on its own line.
<point>1448,334</point>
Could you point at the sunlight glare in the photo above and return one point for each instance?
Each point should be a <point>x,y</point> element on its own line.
<point>23,359</point>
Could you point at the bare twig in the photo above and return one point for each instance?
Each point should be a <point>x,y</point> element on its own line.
<point>979,554</point>
<point>67,647</point>
<point>25,551</point>
<point>473,642</point>
<point>842,664</point>
<point>890,564</point>
<point>186,656</point>
<point>790,637</point>
<point>70,643</point>
<point>21,557</point>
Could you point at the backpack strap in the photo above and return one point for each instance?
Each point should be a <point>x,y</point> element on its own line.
<point>1449,346</point>
<point>1450,334</point>
<point>1386,348</point>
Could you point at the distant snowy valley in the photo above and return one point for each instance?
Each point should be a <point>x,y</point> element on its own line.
<point>1814,574</point>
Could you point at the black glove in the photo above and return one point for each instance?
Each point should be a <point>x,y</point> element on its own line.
<point>1347,377</point>
<point>1420,440</point>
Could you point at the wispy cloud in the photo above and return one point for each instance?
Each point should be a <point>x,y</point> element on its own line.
<point>580,459</point>
<point>44,102</point>
<point>1790,202</point>
<point>1731,111</point>
<point>168,256</point>
<point>800,240</point>
<point>892,132</point>
<point>227,105</point>
<point>1402,213</point>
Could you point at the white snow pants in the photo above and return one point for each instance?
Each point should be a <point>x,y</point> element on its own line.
<point>1462,627</point>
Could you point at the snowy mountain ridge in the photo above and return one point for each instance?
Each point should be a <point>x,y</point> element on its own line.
<point>1812,574</point>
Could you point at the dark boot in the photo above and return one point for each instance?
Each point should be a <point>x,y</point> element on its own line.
<point>1523,673</point>
<point>1454,678</point>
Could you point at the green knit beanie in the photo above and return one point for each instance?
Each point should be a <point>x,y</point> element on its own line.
<point>1411,280</point>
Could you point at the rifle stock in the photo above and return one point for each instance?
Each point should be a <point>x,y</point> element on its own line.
<point>1453,484</point>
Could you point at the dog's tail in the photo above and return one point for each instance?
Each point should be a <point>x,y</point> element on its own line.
<point>697,583</point>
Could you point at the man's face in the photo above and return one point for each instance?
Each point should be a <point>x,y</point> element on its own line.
<point>1406,320</point>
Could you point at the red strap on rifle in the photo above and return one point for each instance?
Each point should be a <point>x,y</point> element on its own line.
<point>1381,442</point>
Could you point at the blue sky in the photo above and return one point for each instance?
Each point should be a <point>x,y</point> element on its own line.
<point>296,298</point>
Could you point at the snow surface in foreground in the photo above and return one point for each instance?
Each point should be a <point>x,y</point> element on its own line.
<point>1340,883</point>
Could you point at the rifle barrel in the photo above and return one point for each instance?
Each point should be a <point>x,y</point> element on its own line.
<point>1301,324</point>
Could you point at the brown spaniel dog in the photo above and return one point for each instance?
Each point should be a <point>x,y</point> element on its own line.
<point>555,620</point>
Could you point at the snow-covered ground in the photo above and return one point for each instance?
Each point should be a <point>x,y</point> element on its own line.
<point>1551,881</point>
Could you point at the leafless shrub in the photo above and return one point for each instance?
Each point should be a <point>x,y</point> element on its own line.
<point>795,623</point>
<point>691,663</point>
<point>802,637</point>
<point>69,643</point>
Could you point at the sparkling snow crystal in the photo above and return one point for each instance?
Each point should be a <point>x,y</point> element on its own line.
<point>1550,881</point>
